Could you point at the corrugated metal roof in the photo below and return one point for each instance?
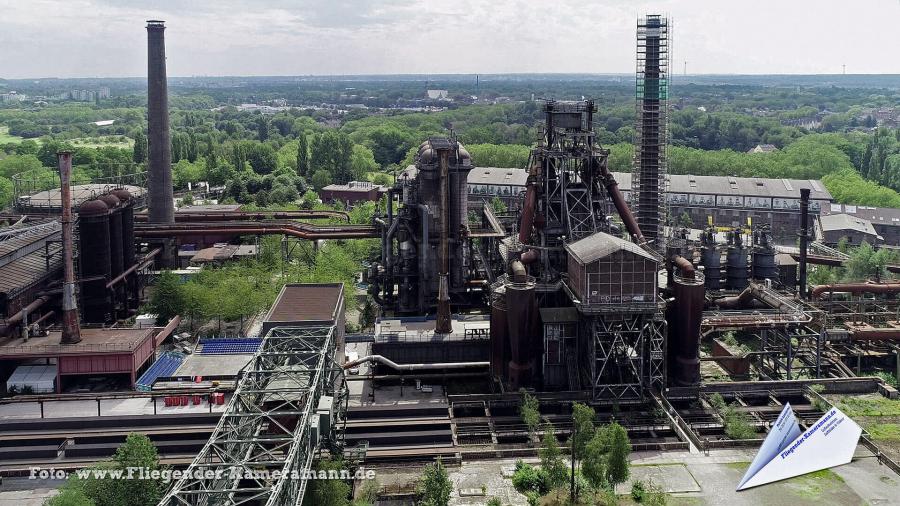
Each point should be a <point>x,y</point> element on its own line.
<point>23,272</point>
<point>307,302</point>
<point>838,222</point>
<point>497,176</point>
<point>601,245</point>
<point>738,186</point>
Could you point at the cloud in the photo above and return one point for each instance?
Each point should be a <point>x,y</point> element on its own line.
<point>290,37</point>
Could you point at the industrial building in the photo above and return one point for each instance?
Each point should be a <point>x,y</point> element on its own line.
<point>353,192</point>
<point>572,296</point>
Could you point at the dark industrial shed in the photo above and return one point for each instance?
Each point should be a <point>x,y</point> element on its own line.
<point>309,305</point>
<point>604,269</point>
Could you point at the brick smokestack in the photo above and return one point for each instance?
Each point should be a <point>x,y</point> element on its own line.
<point>161,204</point>
<point>71,331</point>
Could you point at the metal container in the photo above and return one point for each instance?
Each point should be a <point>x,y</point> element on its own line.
<point>736,268</point>
<point>711,260</point>
<point>764,264</point>
<point>94,260</point>
<point>523,336</point>
<point>684,337</point>
<point>499,337</point>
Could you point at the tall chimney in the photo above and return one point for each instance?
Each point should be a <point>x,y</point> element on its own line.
<point>161,204</point>
<point>443,325</point>
<point>804,237</point>
<point>71,331</point>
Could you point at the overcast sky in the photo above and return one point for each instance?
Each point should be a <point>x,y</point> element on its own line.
<point>106,38</point>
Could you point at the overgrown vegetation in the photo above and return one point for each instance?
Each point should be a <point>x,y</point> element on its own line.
<point>435,485</point>
<point>737,424</point>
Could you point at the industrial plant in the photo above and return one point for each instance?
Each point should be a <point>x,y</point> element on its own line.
<point>585,288</point>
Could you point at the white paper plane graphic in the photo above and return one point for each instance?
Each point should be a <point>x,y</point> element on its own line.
<point>787,451</point>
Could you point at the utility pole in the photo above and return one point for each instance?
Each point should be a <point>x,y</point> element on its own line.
<point>685,67</point>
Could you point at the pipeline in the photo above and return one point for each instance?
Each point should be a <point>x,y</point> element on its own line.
<point>413,367</point>
<point>190,217</point>
<point>518,271</point>
<point>684,265</point>
<point>753,291</point>
<point>136,267</point>
<point>856,288</point>
<point>612,188</point>
<point>294,229</point>
<point>528,209</point>
<point>804,238</point>
<point>15,319</point>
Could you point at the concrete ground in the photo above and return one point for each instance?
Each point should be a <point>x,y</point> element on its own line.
<point>108,407</point>
<point>212,365</point>
<point>361,390</point>
<point>25,492</point>
<point>693,479</point>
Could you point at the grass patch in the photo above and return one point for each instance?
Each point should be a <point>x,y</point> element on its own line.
<point>6,138</point>
<point>868,405</point>
<point>884,431</point>
<point>887,481</point>
<point>815,485</point>
<point>116,141</point>
<point>740,466</point>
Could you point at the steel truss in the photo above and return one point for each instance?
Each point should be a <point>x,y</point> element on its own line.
<point>791,352</point>
<point>268,425</point>
<point>628,355</point>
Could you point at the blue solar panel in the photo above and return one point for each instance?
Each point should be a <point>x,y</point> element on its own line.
<point>166,365</point>
<point>229,346</point>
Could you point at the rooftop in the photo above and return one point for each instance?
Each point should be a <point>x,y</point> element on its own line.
<point>737,186</point>
<point>838,222</point>
<point>601,245</point>
<point>497,176</point>
<point>50,199</point>
<point>307,302</point>
<point>879,215</point>
<point>354,186</point>
<point>93,341</point>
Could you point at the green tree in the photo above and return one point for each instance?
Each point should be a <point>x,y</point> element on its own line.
<point>321,179</point>
<point>139,151</point>
<point>167,299</point>
<point>551,458</point>
<point>137,452</point>
<point>617,466</point>
<point>434,485</point>
<point>16,164</point>
<point>583,420</point>
<point>331,492</point>
<point>262,128</point>
<point>529,410</point>
<point>69,497</point>
<point>362,162</point>
<point>303,155</point>
<point>593,459</point>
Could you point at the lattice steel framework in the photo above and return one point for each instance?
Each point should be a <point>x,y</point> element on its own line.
<point>572,198</point>
<point>648,182</point>
<point>628,355</point>
<point>268,425</point>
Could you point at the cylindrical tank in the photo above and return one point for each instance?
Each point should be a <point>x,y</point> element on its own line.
<point>94,259</point>
<point>736,268</point>
<point>127,206</point>
<point>711,260</point>
<point>685,331</point>
<point>521,318</point>
<point>115,234</point>
<point>764,264</point>
<point>499,337</point>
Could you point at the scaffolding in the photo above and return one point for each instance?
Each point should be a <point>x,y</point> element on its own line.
<point>262,449</point>
<point>651,128</point>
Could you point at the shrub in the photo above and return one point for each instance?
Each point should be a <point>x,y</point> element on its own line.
<point>638,492</point>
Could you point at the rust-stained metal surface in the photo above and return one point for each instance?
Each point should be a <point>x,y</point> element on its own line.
<point>307,302</point>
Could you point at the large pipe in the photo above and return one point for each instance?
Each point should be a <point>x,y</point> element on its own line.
<point>804,238</point>
<point>293,229</point>
<point>188,216</point>
<point>413,367</point>
<point>612,188</point>
<point>442,323</point>
<point>136,267</point>
<point>14,320</point>
<point>528,210</point>
<point>856,288</point>
<point>684,265</point>
<point>71,331</point>
<point>162,197</point>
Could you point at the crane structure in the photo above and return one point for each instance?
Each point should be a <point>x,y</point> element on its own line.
<point>289,406</point>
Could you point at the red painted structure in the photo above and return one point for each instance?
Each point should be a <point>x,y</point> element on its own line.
<point>100,352</point>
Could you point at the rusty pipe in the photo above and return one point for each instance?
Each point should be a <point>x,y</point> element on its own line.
<point>804,238</point>
<point>136,267</point>
<point>518,271</point>
<point>15,319</point>
<point>684,265</point>
<point>71,329</point>
<point>187,216</point>
<point>299,230</point>
<point>856,288</point>
<point>413,367</point>
<point>736,301</point>
<point>528,209</point>
<point>612,189</point>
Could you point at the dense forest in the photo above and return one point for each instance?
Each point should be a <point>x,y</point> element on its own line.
<point>826,132</point>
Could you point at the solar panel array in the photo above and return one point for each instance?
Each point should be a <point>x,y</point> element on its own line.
<point>229,346</point>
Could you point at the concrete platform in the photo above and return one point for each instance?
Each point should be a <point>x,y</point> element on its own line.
<point>212,365</point>
<point>108,407</point>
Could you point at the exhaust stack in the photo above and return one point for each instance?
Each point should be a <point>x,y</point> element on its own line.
<point>161,203</point>
<point>71,331</point>
<point>804,238</point>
